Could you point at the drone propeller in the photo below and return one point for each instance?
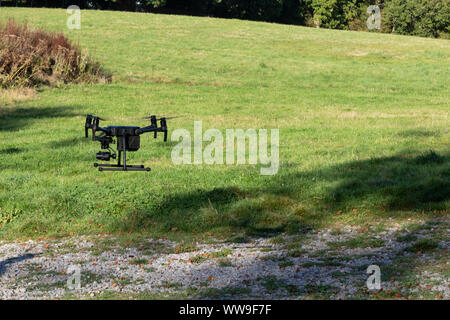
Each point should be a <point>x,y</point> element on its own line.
<point>160,118</point>
<point>167,118</point>
<point>91,116</point>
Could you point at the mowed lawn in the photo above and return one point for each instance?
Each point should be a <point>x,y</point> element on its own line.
<point>363,119</point>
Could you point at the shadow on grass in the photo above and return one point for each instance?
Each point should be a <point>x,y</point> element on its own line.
<point>400,182</point>
<point>69,142</point>
<point>293,201</point>
<point>11,151</point>
<point>397,183</point>
<point>392,183</point>
<point>15,118</point>
<point>419,133</point>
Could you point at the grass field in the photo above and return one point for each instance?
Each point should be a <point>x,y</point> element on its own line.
<point>363,118</point>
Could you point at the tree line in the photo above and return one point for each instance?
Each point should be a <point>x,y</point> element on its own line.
<point>428,18</point>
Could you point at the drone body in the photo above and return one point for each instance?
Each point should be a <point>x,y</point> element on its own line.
<point>128,139</point>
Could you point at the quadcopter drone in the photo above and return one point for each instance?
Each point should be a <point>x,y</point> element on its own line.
<point>128,139</point>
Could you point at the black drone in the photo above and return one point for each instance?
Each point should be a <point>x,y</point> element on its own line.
<point>128,139</point>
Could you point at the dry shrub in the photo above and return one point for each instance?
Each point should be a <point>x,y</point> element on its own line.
<point>32,57</point>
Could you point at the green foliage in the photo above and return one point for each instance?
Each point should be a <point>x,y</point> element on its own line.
<point>199,258</point>
<point>427,18</point>
<point>221,254</point>
<point>340,14</point>
<point>185,247</point>
<point>356,15</point>
<point>328,14</point>
<point>6,216</point>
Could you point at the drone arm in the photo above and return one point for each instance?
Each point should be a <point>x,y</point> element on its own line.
<point>105,130</point>
<point>153,129</point>
<point>147,129</point>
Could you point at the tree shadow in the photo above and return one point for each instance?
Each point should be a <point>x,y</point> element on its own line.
<point>413,133</point>
<point>401,182</point>
<point>406,181</point>
<point>69,142</point>
<point>4,264</point>
<point>11,151</point>
<point>15,118</point>
<point>201,197</point>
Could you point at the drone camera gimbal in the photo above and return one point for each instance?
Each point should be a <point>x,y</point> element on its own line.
<point>128,139</point>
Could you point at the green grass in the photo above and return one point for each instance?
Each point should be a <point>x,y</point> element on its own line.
<point>286,263</point>
<point>221,254</point>
<point>407,238</point>
<point>225,263</point>
<point>297,253</point>
<point>172,285</point>
<point>363,121</point>
<point>139,261</point>
<point>423,245</point>
<point>273,284</point>
<point>199,258</point>
<point>185,247</point>
<point>206,256</point>
<point>357,242</point>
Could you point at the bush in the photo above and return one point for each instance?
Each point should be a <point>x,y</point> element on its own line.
<point>426,18</point>
<point>356,14</point>
<point>341,14</point>
<point>33,57</point>
<point>329,14</point>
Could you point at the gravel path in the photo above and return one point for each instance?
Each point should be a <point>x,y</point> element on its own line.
<point>413,259</point>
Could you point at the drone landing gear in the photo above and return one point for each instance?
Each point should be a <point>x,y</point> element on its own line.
<point>118,166</point>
